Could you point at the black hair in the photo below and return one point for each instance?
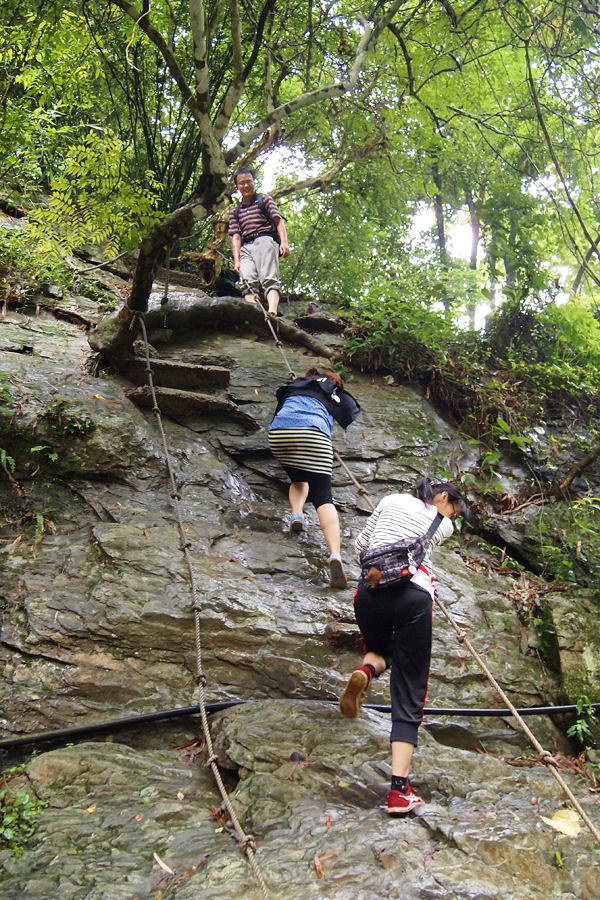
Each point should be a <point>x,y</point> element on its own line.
<point>427,491</point>
<point>243,171</point>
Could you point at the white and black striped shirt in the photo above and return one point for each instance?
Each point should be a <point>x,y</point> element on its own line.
<point>402,516</point>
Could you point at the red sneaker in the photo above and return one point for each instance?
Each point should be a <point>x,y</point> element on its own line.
<point>399,804</point>
<point>354,693</point>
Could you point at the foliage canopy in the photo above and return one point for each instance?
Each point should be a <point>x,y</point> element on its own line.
<point>122,124</point>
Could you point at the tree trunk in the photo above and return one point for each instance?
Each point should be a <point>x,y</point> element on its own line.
<point>438,206</point>
<point>113,340</point>
<point>204,201</point>
<point>475,231</point>
<point>509,266</point>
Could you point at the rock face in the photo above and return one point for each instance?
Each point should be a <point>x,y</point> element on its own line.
<point>97,624</point>
<point>311,787</point>
<point>571,626</point>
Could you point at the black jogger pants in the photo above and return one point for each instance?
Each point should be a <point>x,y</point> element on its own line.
<point>396,623</point>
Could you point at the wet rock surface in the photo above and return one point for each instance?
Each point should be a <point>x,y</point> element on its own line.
<point>97,624</point>
<point>309,786</point>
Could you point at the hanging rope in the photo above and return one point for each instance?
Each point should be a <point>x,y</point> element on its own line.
<point>278,344</point>
<point>545,757</point>
<point>165,297</point>
<point>361,490</point>
<point>247,841</point>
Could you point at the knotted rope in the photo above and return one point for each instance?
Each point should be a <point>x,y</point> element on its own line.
<point>278,344</point>
<point>545,756</point>
<point>247,841</point>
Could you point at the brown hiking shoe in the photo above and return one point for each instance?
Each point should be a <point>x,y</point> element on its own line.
<point>354,693</point>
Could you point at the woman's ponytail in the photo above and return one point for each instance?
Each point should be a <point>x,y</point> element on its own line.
<point>426,491</point>
<point>423,490</point>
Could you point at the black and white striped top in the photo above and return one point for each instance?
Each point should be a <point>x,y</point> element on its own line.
<point>401,516</point>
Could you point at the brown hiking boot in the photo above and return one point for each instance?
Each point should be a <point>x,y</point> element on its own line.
<point>354,693</point>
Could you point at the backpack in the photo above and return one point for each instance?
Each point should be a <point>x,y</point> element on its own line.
<point>260,202</point>
<point>395,564</point>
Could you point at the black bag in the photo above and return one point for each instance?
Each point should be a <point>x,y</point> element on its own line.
<point>396,563</point>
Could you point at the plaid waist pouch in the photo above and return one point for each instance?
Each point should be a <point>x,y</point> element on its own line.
<point>396,563</point>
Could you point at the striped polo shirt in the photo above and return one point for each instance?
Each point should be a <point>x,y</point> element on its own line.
<point>401,516</point>
<point>252,221</point>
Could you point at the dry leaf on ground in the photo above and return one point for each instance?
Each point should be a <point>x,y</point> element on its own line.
<point>564,820</point>
<point>163,865</point>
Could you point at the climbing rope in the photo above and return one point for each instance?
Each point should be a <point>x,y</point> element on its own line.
<point>278,344</point>
<point>247,841</point>
<point>545,756</point>
<point>361,490</point>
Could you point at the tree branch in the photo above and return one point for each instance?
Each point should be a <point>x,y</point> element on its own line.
<point>159,42</point>
<point>578,468</point>
<point>317,182</point>
<point>236,39</point>
<point>211,145</point>
<point>321,181</point>
<point>198,22</point>
<point>412,89</point>
<point>214,20</point>
<point>240,72</point>
<point>309,98</point>
<point>550,145</point>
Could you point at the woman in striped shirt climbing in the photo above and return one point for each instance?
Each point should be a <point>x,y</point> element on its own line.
<point>396,623</point>
<point>300,439</point>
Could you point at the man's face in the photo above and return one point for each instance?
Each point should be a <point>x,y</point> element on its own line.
<point>246,185</point>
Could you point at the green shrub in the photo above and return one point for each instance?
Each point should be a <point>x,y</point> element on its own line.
<point>18,814</point>
<point>582,728</point>
<point>24,260</point>
<point>534,356</point>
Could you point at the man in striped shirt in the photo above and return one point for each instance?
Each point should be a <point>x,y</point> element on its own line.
<point>258,238</point>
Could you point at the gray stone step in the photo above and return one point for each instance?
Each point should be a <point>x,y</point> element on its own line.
<point>174,374</point>
<point>183,403</point>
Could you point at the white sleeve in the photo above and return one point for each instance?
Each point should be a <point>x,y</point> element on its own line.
<point>445,531</point>
<point>362,541</point>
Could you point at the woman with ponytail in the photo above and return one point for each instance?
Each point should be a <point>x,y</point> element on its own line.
<point>396,623</point>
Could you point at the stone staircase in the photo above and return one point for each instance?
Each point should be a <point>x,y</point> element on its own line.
<point>184,389</point>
